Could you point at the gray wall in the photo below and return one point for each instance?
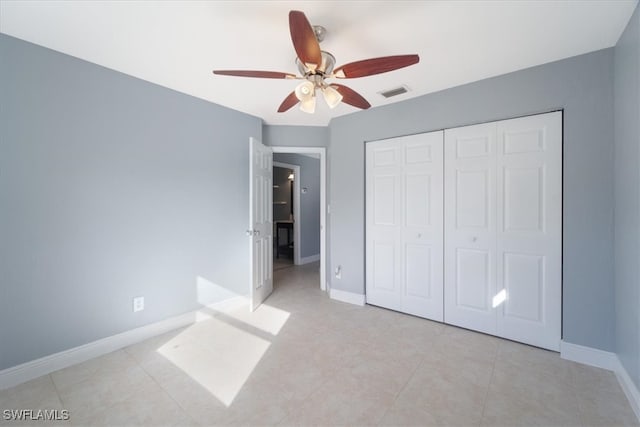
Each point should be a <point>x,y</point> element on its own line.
<point>583,87</point>
<point>627,197</point>
<point>295,136</point>
<point>111,187</point>
<point>309,201</point>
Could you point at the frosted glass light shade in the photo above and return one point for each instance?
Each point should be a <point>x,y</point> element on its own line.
<point>332,96</point>
<point>305,90</point>
<point>308,105</point>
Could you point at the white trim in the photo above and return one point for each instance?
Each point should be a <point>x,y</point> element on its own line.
<point>45,365</point>
<point>629,388</point>
<point>323,202</point>
<point>297,243</point>
<point>308,259</point>
<point>589,356</point>
<point>605,360</point>
<point>344,296</point>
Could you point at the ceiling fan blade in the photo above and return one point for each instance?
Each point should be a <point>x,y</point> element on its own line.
<point>288,102</point>
<point>304,40</point>
<point>369,67</point>
<point>351,97</point>
<point>261,74</point>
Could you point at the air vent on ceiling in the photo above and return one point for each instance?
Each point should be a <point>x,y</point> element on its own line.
<point>395,91</point>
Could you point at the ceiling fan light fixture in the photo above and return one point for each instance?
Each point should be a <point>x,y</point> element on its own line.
<point>305,90</point>
<point>308,105</point>
<point>306,94</point>
<point>331,96</point>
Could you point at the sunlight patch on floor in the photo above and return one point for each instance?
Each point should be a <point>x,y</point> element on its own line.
<point>224,346</point>
<point>220,363</point>
<point>266,318</point>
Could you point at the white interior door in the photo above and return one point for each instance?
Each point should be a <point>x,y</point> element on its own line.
<point>404,224</point>
<point>529,244</point>
<point>470,227</point>
<point>261,222</point>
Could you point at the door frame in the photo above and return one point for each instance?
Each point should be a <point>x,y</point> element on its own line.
<point>296,209</point>
<point>322,151</point>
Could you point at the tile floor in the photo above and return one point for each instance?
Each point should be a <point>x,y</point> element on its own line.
<point>303,359</point>
<point>282,262</point>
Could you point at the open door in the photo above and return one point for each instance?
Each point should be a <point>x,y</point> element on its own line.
<point>260,221</point>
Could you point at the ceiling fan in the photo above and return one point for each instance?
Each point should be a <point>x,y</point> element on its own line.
<point>316,65</point>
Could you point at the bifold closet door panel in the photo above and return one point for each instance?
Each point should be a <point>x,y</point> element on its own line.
<point>422,230</point>
<point>529,244</point>
<point>503,228</point>
<point>383,222</point>
<point>404,218</point>
<point>470,227</point>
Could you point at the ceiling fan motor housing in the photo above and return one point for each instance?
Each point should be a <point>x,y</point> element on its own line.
<point>324,69</point>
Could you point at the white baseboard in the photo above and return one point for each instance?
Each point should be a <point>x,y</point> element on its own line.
<point>589,356</point>
<point>629,388</point>
<point>344,296</point>
<point>45,365</point>
<point>308,259</point>
<point>605,360</point>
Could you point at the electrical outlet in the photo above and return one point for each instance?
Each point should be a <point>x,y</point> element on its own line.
<point>138,304</point>
<point>339,272</point>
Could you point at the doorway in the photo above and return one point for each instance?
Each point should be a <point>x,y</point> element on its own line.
<point>300,191</point>
<point>286,214</point>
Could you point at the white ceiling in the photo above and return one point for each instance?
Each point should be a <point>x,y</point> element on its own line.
<point>178,44</point>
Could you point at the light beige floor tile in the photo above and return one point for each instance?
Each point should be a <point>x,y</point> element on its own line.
<point>605,407</point>
<point>117,361</point>
<point>153,408</point>
<point>533,360</point>
<point>516,409</point>
<point>258,404</point>
<point>539,389</point>
<point>35,395</point>
<point>342,400</point>
<point>303,359</point>
<point>584,377</point>
<point>473,345</point>
<point>201,405</point>
<point>407,415</point>
<point>447,400</point>
<point>103,390</point>
<point>457,367</point>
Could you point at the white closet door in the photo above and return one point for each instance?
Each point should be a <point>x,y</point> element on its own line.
<point>529,244</point>
<point>422,231</point>
<point>404,224</point>
<point>383,216</point>
<point>470,227</point>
